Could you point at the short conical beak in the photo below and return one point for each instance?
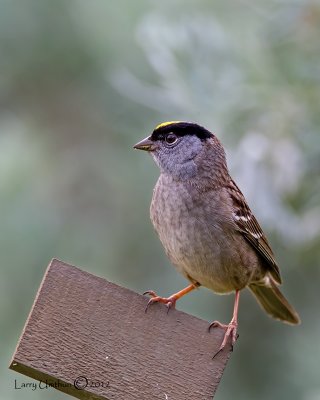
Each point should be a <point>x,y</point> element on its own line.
<point>146,144</point>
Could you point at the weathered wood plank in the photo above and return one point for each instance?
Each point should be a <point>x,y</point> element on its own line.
<point>81,325</point>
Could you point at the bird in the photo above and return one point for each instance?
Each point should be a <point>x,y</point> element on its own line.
<point>206,227</point>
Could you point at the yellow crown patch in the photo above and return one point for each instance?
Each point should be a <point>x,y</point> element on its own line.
<point>166,123</point>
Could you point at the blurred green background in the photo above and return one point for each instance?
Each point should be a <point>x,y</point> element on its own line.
<point>82,81</point>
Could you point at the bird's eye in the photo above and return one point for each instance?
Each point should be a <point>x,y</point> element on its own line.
<point>171,138</point>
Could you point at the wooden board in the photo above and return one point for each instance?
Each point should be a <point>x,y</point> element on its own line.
<point>93,340</point>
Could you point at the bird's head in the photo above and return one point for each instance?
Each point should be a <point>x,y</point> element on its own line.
<point>183,149</point>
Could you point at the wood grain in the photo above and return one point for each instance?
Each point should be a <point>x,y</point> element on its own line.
<point>83,326</point>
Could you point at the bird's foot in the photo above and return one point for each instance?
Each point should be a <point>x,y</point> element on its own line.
<point>170,302</point>
<point>231,332</point>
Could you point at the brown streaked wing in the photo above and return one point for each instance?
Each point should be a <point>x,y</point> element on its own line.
<point>251,230</point>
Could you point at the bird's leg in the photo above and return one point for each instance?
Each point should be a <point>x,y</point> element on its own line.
<point>231,329</point>
<point>169,301</point>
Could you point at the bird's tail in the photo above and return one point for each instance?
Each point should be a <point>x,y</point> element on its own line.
<point>274,303</point>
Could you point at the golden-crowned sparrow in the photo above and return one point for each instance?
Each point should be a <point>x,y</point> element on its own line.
<point>205,225</point>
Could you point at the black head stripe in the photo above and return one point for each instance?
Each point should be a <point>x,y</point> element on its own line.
<point>181,129</point>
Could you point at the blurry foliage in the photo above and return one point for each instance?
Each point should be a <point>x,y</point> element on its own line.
<point>81,82</point>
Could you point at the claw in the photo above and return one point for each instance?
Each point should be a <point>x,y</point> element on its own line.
<point>231,329</point>
<point>150,292</point>
<point>231,332</point>
<point>168,301</point>
<point>215,354</point>
<point>217,324</point>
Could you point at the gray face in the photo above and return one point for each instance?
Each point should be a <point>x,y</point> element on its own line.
<point>177,158</point>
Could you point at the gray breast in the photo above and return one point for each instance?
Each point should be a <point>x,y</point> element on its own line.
<point>197,238</point>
